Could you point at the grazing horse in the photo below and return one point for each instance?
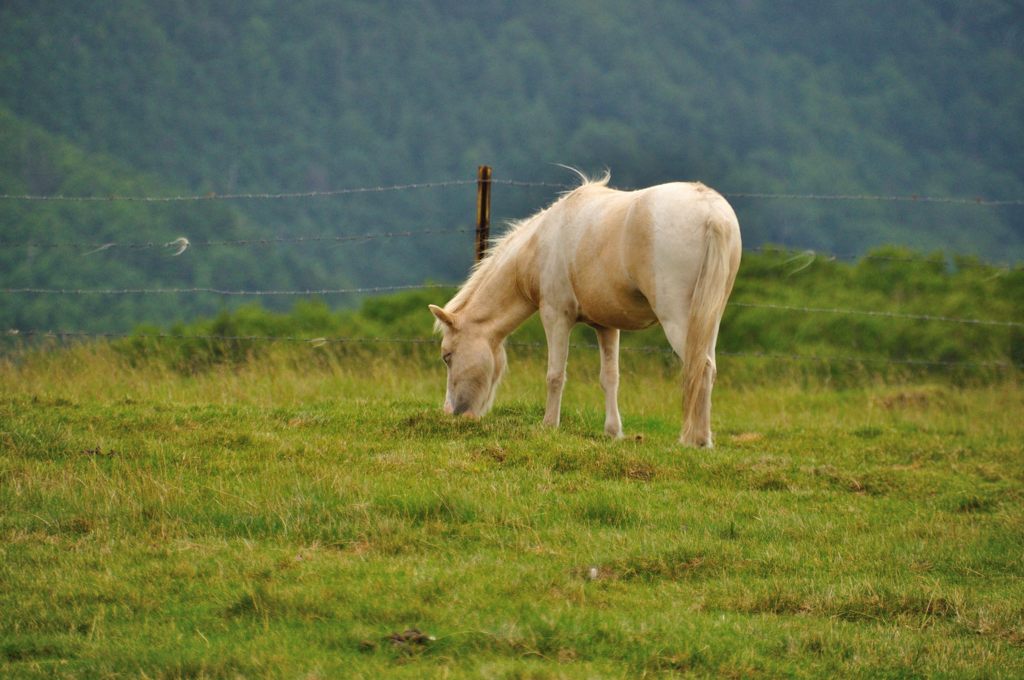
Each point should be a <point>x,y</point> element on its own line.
<point>613,260</point>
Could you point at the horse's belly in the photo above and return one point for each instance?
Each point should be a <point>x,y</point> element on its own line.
<point>625,310</point>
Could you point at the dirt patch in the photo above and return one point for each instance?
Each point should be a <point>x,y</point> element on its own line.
<point>747,437</point>
<point>410,639</point>
<point>98,452</point>
<point>911,399</point>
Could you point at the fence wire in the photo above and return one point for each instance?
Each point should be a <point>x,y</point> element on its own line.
<point>386,289</point>
<point>870,312</point>
<point>182,243</point>
<point>212,196</point>
<point>810,255</point>
<point>315,342</point>
<point>879,198</point>
<point>219,291</point>
<point>561,186</point>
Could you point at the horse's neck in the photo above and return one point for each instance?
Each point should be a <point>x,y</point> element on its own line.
<point>497,303</point>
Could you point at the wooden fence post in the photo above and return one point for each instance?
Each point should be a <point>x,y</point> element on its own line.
<point>483,210</point>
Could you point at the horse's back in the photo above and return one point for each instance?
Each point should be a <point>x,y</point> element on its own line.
<point>625,250</point>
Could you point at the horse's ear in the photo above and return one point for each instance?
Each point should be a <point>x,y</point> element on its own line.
<point>442,316</point>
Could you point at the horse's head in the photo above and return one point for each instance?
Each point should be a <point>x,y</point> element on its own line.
<point>475,365</point>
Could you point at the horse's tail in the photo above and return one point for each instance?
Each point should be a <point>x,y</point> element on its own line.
<point>714,283</point>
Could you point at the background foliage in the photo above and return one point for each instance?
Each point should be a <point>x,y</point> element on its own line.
<point>194,96</point>
<point>840,347</point>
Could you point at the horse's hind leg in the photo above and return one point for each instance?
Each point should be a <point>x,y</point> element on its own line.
<point>557,325</point>
<point>608,341</point>
<point>697,428</point>
<point>697,425</point>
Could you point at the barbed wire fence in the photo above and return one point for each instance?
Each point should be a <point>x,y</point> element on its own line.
<point>562,186</point>
<point>182,244</point>
<point>426,286</point>
<point>322,341</point>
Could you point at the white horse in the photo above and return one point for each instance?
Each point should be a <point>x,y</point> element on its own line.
<point>611,259</point>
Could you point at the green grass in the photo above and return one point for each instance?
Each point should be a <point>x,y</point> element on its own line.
<point>288,516</point>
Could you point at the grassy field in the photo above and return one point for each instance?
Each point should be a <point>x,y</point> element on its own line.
<point>307,515</point>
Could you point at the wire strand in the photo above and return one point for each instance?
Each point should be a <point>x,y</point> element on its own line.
<point>911,198</point>
<point>219,291</point>
<point>647,349</point>
<point>182,244</point>
<point>386,289</point>
<point>263,241</point>
<point>870,312</point>
<point>794,252</point>
<point>213,196</point>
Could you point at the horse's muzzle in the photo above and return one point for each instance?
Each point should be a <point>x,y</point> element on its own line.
<point>460,409</point>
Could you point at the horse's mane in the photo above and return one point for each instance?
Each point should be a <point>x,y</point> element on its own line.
<point>508,244</point>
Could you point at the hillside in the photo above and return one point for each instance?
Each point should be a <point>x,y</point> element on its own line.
<point>749,96</point>
<point>70,241</point>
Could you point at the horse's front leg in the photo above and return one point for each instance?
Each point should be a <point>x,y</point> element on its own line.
<point>608,341</point>
<point>557,324</point>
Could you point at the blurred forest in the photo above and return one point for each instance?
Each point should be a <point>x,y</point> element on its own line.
<point>922,97</point>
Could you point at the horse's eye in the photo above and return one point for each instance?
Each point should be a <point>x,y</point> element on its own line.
<point>447,359</point>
